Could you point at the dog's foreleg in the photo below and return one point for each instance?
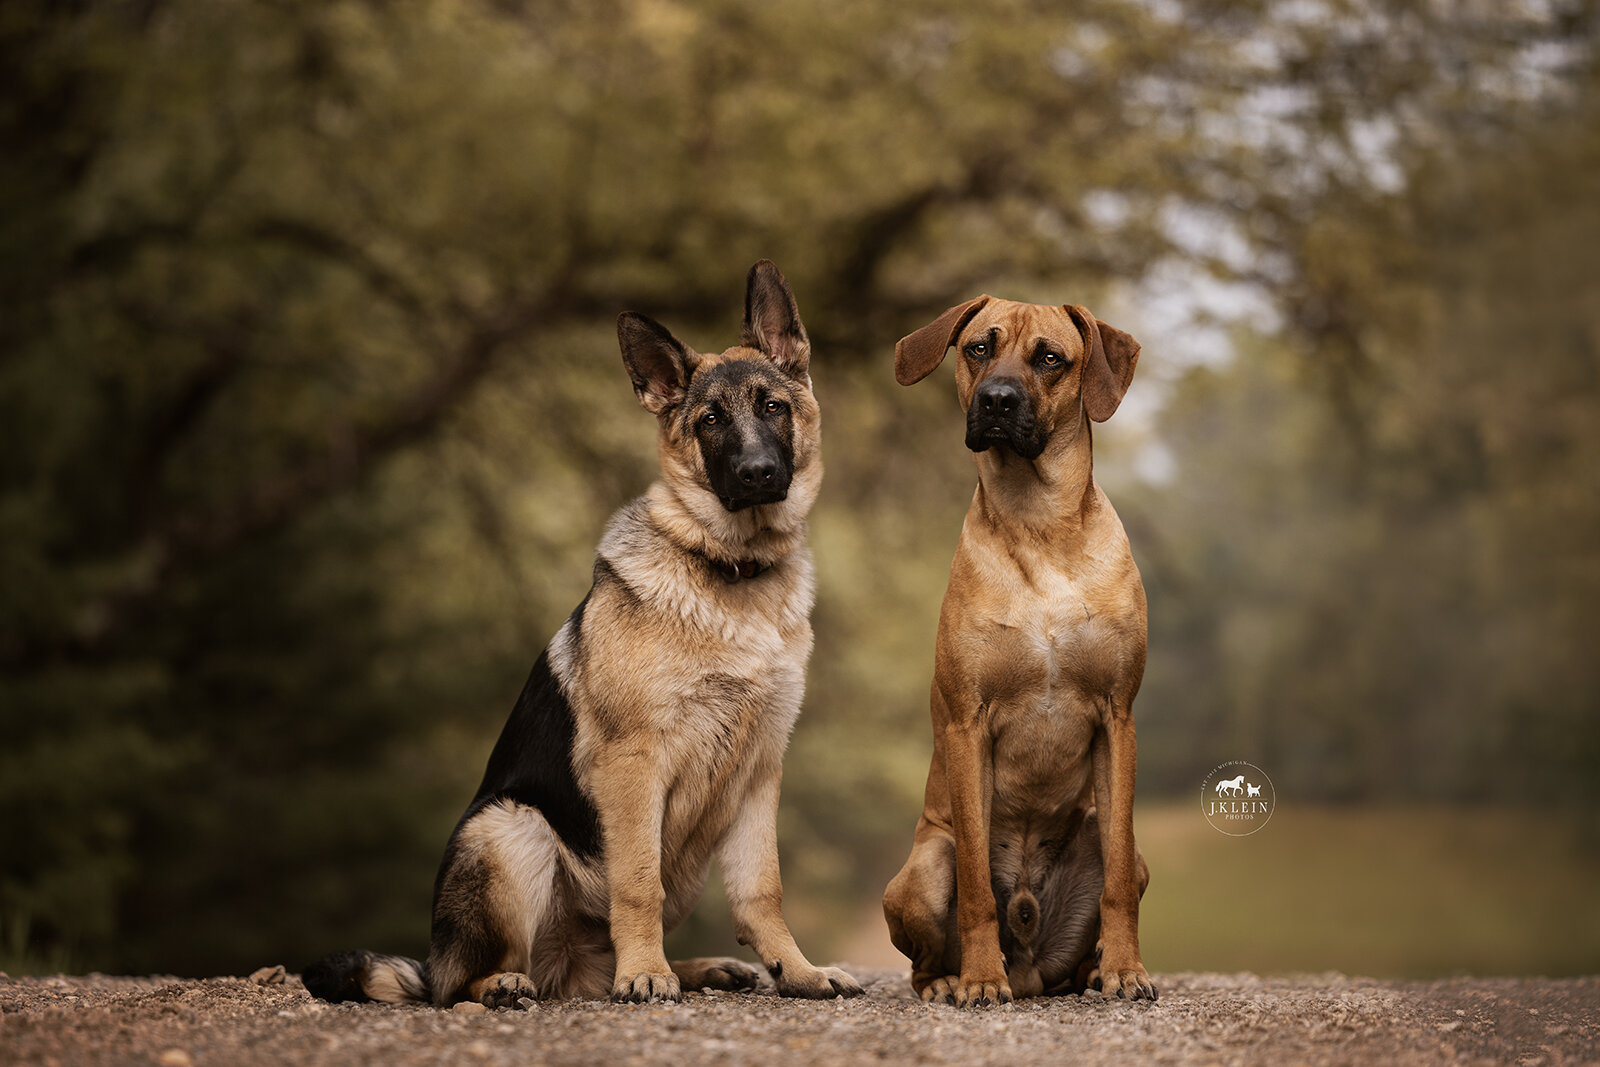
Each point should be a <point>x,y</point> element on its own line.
<point>969,773</point>
<point>1115,752</point>
<point>748,856</point>
<point>631,799</point>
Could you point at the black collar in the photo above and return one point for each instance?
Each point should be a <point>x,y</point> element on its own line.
<point>733,573</point>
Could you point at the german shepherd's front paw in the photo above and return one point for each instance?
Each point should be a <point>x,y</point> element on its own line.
<point>645,987</point>
<point>815,983</point>
<point>981,991</point>
<point>940,990</point>
<point>507,990</point>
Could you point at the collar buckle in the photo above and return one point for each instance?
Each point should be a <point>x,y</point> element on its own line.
<point>733,573</point>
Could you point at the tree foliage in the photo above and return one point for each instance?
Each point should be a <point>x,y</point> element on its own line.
<point>310,410</point>
<point>1391,590</point>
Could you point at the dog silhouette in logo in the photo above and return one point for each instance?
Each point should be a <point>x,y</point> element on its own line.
<point>1252,790</point>
<point>1231,786</point>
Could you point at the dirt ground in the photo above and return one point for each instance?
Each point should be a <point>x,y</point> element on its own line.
<point>1200,1019</point>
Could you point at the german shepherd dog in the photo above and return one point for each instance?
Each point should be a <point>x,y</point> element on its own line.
<point>650,735</point>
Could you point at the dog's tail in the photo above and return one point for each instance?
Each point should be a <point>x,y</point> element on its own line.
<point>1022,915</point>
<point>368,976</point>
<point>1022,970</point>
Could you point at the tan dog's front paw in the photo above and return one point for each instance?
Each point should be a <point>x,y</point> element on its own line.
<point>814,983</point>
<point>1128,981</point>
<point>979,991</point>
<point>645,987</point>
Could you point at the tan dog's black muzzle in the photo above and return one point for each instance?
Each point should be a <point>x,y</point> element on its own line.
<point>1002,414</point>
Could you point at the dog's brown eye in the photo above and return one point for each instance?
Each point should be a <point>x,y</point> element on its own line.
<point>774,406</point>
<point>1051,359</point>
<point>708,419</point>
<point>977,350</point>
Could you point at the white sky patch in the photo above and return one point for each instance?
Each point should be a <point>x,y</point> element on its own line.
<point>1301,12</point>
<point>1259,54</point>
<point>1207,234</point>
<point>1264,118</point>
<point>1183,316</point>
<point>1189,314</point>
<point>1374,141</point>
<point>1106,209</point>
<point>1077,57</point>
<point>1168,11</point>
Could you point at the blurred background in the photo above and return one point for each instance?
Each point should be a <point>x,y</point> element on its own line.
<point>311,413</point>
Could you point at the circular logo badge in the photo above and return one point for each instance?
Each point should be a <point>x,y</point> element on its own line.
<point>1237,798</point>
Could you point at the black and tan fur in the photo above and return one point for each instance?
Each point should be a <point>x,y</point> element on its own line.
<point>1024,877</point>
<point>650,735</point>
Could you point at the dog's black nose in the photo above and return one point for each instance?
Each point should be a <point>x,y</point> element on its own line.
<point>757,473</point>
<point>1000,398</point>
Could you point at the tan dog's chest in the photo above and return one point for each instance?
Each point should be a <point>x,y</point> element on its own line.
<point>1041,677</point>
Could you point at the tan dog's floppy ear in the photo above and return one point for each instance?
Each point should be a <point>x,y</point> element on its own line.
<point>772,323</point>
<point>917,354</point>
<point>658,363</point>
<point>1111,356</point>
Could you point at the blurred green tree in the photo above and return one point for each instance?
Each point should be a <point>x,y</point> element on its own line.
<point>310,410</point>
<point>1382,577</point>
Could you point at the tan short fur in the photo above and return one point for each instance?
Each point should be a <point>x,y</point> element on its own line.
<point>1040,651</point>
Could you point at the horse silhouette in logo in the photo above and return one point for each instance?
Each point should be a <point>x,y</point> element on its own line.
<point>1232,786</point>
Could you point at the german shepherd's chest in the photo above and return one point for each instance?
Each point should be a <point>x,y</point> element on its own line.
<point>726,730</point>
<point>725,719</point>
<point>704,675</point>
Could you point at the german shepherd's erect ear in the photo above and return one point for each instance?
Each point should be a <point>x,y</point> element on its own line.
<point>772,323</point>
<point>658,363</point>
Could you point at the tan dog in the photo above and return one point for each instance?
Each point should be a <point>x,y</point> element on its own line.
<point>1024,856</point>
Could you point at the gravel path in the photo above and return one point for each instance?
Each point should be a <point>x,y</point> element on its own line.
<point>1200,1019</point>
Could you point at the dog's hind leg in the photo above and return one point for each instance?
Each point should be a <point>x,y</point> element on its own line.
<point>919,905</point>
<point>496,893</point>
<point>716,972</point>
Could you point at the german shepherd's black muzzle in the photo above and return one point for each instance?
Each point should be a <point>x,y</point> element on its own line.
<point>755,472</point>
<point>1002,414</point>
<point>747,436</point>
